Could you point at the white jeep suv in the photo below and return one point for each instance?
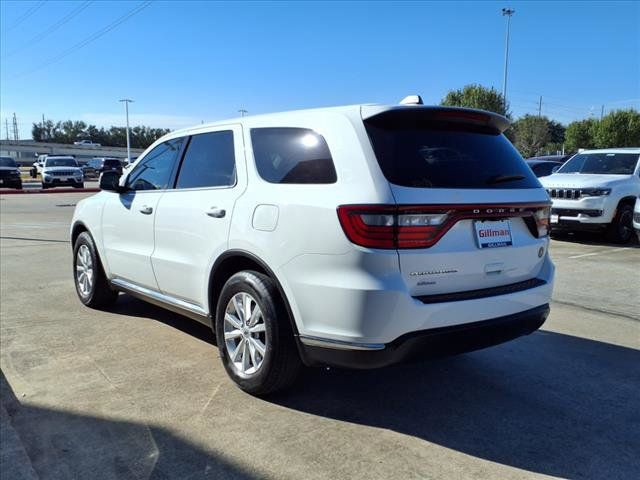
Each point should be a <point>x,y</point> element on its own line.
<point>354,236</point>
<point>60,170</point>
<point>596,190</point>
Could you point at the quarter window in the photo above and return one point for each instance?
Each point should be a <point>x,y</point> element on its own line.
<point>292,155</point>
<point>209,161</point>
<point>154,171</point>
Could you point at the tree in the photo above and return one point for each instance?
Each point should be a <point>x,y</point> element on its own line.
<point>476,96</point>
<point>532,133</point>
<point>620,128</point>
<point>580,134</point>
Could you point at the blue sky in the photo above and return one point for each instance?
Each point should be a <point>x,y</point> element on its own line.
<point>184,62</point>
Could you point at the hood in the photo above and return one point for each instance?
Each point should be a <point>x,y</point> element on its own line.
<point>582,180</point>
<point>61,169</point>
<point>4,169</point>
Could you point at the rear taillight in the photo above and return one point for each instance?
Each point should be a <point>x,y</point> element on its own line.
<point>391,227</point>
<point>541,216</point>
<point>421,226</point>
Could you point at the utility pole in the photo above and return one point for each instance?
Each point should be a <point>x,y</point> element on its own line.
<point>602,112</point>
<point>43,134</point>
<point>508,12</point>
<point>243,112</point>
<point>16,136</point>
<point>6,126</point>
<point>540,107</point>
<point>127,101</point>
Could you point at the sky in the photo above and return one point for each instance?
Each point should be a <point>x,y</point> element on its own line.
<point>185,62</point>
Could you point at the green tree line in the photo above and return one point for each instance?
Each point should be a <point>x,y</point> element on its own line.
<point>536,135</point>
<point>71,131</point>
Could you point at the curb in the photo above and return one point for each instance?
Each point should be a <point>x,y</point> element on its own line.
<point>60,190</point>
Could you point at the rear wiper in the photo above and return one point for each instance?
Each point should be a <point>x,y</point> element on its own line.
<point>504,178</point>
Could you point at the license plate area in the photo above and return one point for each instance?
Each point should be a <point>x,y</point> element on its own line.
<point>493,233</point>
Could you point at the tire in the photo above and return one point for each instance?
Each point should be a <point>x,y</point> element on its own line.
<point>95,293</point>
<point>281,364</point>
<point>621,228</point>
<point>79,185</point>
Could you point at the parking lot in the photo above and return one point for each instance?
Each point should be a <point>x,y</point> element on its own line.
<point>139,392</point>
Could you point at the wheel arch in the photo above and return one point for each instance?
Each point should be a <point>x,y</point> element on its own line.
<point>76,230</point>
<point>233,261</point>
<point>628,200</point>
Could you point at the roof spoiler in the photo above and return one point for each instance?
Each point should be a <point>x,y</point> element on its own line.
<point>468,116</point>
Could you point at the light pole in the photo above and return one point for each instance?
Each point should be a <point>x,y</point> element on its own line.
<point>508,12</point>
<point>126,109</point>
<point>243,112</point>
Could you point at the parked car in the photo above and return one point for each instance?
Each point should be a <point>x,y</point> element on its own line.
<point>543,168</point>
<point>551,158</point>
<point>104,164</point>
<point>38,165</point>
<point>596,190</point>
<point>636,218</point>
<point>87,143</point>
<point>61,170</point>
<point>9,173</point>
<point>354,236</point>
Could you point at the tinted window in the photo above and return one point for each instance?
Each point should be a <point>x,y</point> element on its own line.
<point>292,155</point>
<point>112,163</point>
<point>602,163</point>
<point>154,171</point>
<point>7,162</point>
<point>209,161</point>
<point>544,169</point>
<point>60,162</point>
<point>427,154</point>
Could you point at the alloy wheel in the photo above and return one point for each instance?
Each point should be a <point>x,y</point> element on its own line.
<point>245,334</point>
<point>84,270</point>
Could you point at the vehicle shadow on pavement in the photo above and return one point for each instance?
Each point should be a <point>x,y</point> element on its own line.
<point>47,443</point>
<point>592,238</point>
<point>547,403</point>
<point>133,307</point>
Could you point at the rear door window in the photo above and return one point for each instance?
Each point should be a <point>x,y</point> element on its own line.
<point>428,154</point>
<point>292,155</point>
<point>209,161</point>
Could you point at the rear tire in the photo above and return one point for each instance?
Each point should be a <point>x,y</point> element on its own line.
<point>93,288</point>
<point>265,315</point>
<point>621,228</point>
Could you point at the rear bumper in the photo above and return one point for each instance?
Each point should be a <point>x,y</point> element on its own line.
<point>430,343</point>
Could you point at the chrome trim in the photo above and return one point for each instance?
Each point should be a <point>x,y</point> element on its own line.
<point>161,297</point>
<point>339,344</point>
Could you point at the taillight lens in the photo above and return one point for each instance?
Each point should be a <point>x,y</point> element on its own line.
<point>421,226</point>
<point>542,216</point>
<point>391,227</point>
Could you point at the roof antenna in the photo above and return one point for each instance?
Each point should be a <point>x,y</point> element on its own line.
<point>412,100</point>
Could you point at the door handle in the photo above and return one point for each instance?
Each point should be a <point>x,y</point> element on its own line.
<point>147,210</point>
<point>216,212</point>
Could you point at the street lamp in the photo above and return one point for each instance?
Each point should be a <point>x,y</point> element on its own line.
<point>508,12</point>
<point>126,109</point>
<point>243,112</point>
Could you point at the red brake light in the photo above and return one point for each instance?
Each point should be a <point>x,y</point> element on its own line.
<point>421,226</point>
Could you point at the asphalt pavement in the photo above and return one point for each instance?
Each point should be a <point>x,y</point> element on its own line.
<point>138,392</point>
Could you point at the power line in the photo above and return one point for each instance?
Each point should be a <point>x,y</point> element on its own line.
<point>66,19</point>
<point>25,15</point>
<point>91,38</point>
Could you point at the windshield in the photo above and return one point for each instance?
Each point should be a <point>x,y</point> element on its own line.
<point>601,163</point>
<point>61,162</point>
<point>7,162</point>
<point>443,156</point>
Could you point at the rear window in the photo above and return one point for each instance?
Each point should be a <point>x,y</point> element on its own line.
<point>428,154</point>
<point>292,155</point>
<point>602,163</point>
<point>112,163</point>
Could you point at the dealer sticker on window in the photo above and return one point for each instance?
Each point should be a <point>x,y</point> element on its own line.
<point>491,234</point>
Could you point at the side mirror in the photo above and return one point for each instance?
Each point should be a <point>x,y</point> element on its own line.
<point>110,181</point>
<point>555,169</point>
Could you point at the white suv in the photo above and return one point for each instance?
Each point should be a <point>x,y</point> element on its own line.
<point>596,190</point>
<point>353,236</point>
<point>60,170</point>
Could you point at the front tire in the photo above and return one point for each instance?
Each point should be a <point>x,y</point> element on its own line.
<point>255,338</point>
<point>621,228</point>
<point>91,283</point>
